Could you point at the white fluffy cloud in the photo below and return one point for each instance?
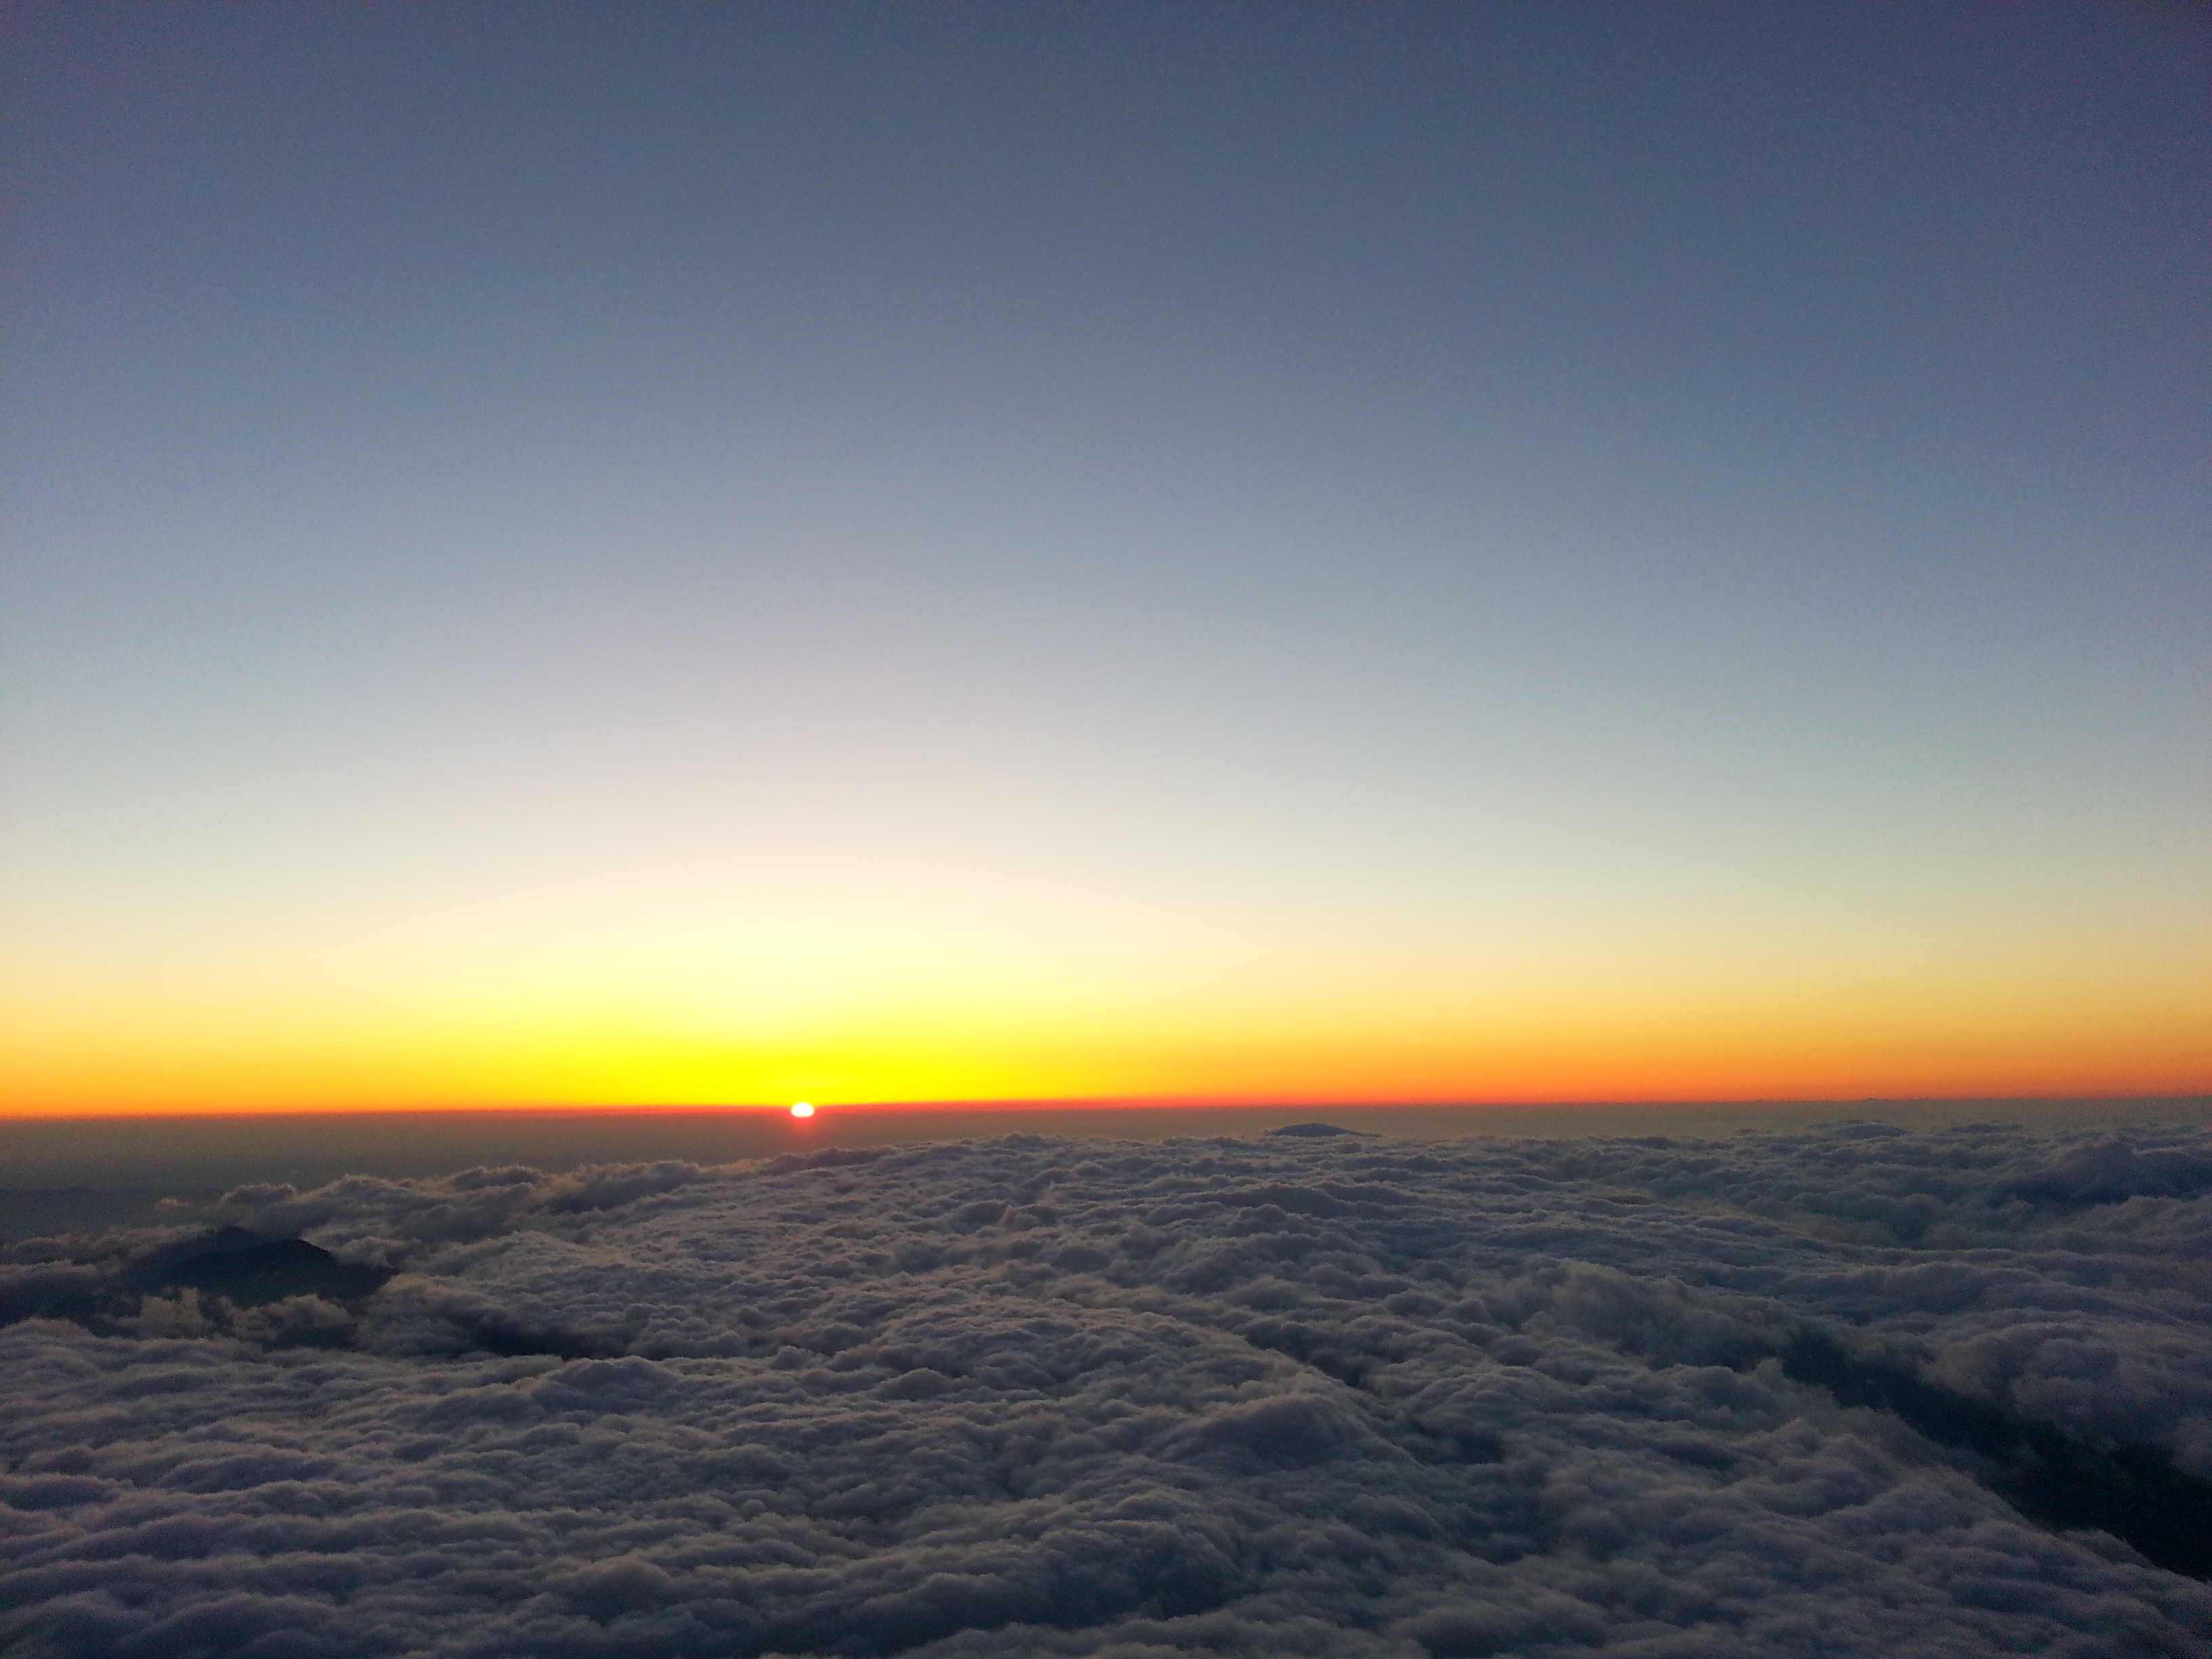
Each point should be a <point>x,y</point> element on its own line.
<point>1034,1396</point>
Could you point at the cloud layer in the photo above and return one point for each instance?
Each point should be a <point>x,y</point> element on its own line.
<point>1828,1393</point>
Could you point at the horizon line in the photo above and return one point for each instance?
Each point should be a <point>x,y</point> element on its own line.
<point>1138,1102</point>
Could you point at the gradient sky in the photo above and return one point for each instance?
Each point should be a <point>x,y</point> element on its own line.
<point>720,553</point>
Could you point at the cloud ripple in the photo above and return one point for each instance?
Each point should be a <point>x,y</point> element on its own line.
<point>1320,1395</point>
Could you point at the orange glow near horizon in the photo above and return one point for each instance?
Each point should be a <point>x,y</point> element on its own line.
<point>1776,1048</point>
<point>874,999</point>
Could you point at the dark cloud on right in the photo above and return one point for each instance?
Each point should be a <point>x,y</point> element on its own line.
<point>1847,1391</point>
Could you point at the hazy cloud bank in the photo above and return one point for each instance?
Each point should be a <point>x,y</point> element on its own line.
<point>1802,1394</point>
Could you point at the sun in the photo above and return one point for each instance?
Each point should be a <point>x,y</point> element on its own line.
<point>802,1110</point>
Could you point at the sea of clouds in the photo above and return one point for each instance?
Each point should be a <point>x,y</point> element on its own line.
<point>1828,1393</point>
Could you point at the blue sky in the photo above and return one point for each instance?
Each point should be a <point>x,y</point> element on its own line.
<point>957,516</point>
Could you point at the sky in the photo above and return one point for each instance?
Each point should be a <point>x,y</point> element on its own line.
<point>569,555</point>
